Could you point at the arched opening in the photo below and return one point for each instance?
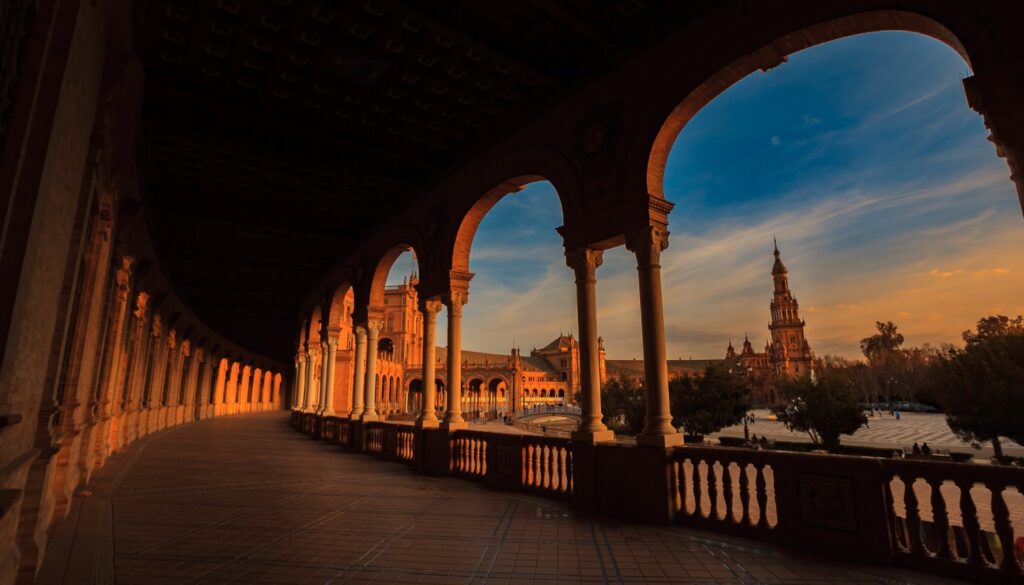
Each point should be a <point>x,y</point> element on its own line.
<point>395,326</point>
<point>861,156</point>
<point>519,270</point>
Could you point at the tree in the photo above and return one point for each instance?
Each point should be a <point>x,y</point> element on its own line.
<point>994,326</point>
<point>624,406</point>
<point>885,355</point>
<point>708,404</point>
<point>823,408</point>
<point>981,387</point>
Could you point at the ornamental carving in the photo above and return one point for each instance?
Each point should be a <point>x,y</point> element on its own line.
<point>648,243</point>
<point>141,303</point>
<point>584,262</point>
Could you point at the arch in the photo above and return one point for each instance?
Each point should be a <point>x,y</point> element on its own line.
<point>387,346</point>
<point>373,293</point>
<point>774,53</point>
<point>475,213</point>
<point>339,311</point>
<point>313,329</point>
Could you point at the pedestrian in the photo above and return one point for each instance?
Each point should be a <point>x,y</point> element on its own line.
<point>925,449</point>
<point>897,415</point>
<point>916,450</point>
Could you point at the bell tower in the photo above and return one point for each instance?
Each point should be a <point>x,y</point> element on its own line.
<point>790,353</point>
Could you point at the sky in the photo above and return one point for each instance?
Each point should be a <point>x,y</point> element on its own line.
<point>860,155</point>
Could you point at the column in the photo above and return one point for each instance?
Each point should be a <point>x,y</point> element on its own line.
<point>359,374</point>
<point>300,381</point>
<point>322,393</point>
<point>332,356</point>
<point>370,387</point>
<point>647,244</point>
<point>454,302</point>
<point>312,389</point>
<point>584,263</point>
<point>427,415</point>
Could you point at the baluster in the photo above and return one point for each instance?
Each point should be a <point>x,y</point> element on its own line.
<point>969,514</point>
<point>712,491</point>
<point>483,458</point>
<point>899,535</point>
<point>940,518</point>
<point>1004,530</point>
<point>913,518</point>
<point>695,476</point>
<point>727,491</point>
<point>761,496</point>
<point>538,472</point>
<point>528,465</point>
<point>675,471</point>
<point>556,471</point>
<point>546,466</point>
<point>744,495</point>
<point>569,470</point>
<point>474,456</point>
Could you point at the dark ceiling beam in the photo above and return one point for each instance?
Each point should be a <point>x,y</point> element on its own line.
<point>226,256</point>
<point>221,218</point>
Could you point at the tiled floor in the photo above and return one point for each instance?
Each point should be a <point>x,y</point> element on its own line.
<point>246,499</point>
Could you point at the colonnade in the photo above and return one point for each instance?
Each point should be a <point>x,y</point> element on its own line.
<point>314,393</point>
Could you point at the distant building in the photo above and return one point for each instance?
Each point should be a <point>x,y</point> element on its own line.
<point>787,354</point>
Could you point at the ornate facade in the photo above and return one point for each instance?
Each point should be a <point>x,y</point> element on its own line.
<point>493,384</point>
<point>788,354</point>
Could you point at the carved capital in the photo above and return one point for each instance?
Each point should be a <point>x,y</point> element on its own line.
<point>141,302</point>
<point>454,300</point>
<point>584,262</point>
<point>647,244</point>
<point>186,348</point>
<point>430,308</point>
<point>157,328</point>
<point>123,278</point>
<point>200,356</point>
<point>360,333</point>
<point>172,339</point>
<point>373,327</point>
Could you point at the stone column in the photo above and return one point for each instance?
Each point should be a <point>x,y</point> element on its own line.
<point>370,387</point>
<point>322,393</point>
<point>454,302</point>
<point>427,415</point>
<point>359,375</point>
<point>300,381</point>
<point>332,355</point>
<point>997,95</point>
<point>584,263</point>
<point>648,244</point>
<point>312,388</point>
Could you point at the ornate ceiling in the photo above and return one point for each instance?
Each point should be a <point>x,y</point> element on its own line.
<point>277,133</point>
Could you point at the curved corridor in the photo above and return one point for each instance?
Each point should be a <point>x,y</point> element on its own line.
<point>247,499</point>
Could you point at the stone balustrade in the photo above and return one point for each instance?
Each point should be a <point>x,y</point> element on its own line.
<point>955,520</point>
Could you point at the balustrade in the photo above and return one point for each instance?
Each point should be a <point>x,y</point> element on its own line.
<point>962,520</point>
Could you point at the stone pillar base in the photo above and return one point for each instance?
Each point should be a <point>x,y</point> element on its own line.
<point>662,441</point>
<point>454,426</point>
<point>368,417</point>
<point>605,436</point>
<point>427,424</point>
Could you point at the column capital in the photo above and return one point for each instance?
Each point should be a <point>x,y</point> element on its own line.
<point>141,303</point>
<point>584,262</point>
<point>455,299</point>
<point>374,326</point>
<point>648,243</point>
<point>123,278</point>
<point>157,327</point>
<point>360,332</point>
<point>430,307</point>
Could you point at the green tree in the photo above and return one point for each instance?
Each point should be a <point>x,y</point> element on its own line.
<point>823,408</point>
<point>710,403</point>
<point>981,387</point>
<point>624,406</point>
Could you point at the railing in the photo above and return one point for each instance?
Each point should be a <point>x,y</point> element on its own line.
<point>955,516</point>
<point>373,442</point>
<point>469,454</point>
<point>405,444</point>
<point>547,466</point>
<point>731,490</point>
<point>956,519</point>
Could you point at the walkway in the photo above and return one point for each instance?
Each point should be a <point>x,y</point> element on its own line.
<point>246,499</point>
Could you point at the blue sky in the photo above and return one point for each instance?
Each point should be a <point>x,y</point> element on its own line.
<point>860,155</point>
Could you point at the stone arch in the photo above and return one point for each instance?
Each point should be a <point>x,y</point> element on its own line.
<point>462,238</point>
<point>342,302</point>
<point>788,39</point>
<point>369,294</point>
<point>313,328</point>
